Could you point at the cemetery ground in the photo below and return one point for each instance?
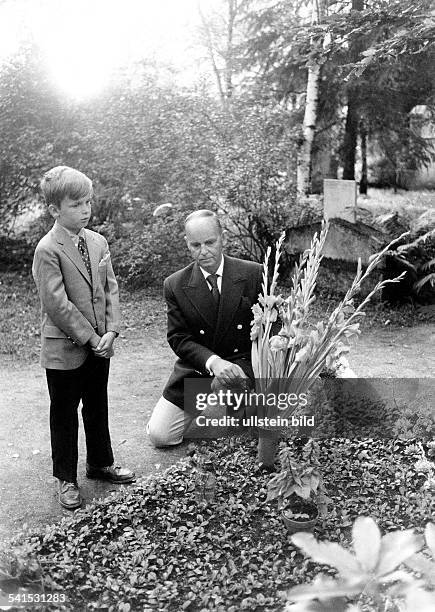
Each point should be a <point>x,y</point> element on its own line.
<point>150,546</point>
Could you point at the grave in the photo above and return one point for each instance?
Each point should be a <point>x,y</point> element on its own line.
<point>339,199</point>
<point>345,241</point>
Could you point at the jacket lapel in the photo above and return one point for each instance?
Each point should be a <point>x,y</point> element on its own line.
<point>70,250</point>
<point>199,295</point>
<point>232,290</point>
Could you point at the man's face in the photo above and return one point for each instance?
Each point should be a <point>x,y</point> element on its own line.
<point>73,214</point>
<point>205,243</point>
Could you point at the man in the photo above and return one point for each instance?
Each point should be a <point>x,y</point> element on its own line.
<point>209,314</point>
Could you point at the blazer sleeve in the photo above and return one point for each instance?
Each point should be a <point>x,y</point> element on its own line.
<point>113,314</point>
<point>64,314</point>
<point>179,336</point>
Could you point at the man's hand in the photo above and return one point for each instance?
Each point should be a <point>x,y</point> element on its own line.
<point>227,374</point>
<point>105,345</point>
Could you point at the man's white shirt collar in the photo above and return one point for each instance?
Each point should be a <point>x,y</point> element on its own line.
<point>218,272</point>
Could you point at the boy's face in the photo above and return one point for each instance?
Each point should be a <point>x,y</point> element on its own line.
<point>72,214</point>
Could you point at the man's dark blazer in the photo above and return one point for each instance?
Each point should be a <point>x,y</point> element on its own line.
<point>195,334</point>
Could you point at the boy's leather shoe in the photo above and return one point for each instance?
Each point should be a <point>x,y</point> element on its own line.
<point>112,473</point>
<point>69,495</point>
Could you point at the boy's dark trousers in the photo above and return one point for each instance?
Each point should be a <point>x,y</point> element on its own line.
<point>66,388</point>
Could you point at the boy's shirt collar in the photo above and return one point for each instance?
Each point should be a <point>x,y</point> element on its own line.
<point>74,237</point>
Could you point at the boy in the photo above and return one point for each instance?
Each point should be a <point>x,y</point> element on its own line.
<point>80,321</point>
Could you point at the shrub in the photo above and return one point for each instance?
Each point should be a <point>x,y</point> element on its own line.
<point>255,182</point>
<point>145,255</point>
<point>416,255</point>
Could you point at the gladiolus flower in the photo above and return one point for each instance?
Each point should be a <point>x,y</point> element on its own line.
<point>278,343</point>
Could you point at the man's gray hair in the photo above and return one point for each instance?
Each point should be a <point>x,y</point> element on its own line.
<point>202,214</point>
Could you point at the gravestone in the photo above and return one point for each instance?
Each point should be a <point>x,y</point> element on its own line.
<point>339,199</point>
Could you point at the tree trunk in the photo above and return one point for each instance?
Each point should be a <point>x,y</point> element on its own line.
<point>350,136</point>
<point>363,182</point>
<point>220,38</point>
<point>308,130</point>
<point>310,116</point>
<point>352,119</point>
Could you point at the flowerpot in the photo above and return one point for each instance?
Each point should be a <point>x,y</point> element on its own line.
<point>300,515</point>
<point>293,525</point>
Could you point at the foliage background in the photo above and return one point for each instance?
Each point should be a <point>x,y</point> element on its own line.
<point>146,140</point>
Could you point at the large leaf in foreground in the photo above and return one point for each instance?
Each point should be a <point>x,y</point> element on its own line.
<point>323,588</point>
<point>366,542</point>
<point>329,553</point>
<point>396,547</point>
<point>419,600</point>
<point>429,533</point>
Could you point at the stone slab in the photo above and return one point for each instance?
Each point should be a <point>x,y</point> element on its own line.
<point>339,199</point>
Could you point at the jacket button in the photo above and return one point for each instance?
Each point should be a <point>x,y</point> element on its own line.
<point>201,331</point>
<point>95,300</point>
<point>236,351</point>
<point>239,326</point>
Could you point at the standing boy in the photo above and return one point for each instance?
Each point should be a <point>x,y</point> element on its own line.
<point>80,321</point>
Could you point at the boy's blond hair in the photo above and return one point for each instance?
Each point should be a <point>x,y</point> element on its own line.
<point>61,182</point>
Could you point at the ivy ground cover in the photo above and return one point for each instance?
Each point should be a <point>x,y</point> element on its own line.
<point>153,546</point>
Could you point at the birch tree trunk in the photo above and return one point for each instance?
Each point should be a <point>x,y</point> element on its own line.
<point>308,130</point>
<point>310,116</point>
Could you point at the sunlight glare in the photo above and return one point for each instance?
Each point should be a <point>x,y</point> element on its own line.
<point>81,42</point>
<point>84,42</point>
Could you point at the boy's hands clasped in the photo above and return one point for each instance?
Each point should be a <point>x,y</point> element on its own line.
<point>104,348</point>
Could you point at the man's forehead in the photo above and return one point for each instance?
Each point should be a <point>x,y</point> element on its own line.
<point>202,229</point>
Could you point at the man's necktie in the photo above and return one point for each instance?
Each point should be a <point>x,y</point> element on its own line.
<point>83,250</point>
<point>212,280</point>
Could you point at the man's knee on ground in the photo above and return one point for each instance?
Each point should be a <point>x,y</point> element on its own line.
<point>159,437</point>
<point>166,425</point>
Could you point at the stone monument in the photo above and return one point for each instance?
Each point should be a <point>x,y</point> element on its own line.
<point>339,199</point>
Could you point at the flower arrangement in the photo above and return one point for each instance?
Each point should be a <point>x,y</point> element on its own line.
<point>291,361</point>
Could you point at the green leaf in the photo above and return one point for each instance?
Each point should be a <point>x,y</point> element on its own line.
<point>366,542</point>
<point>323,588</point>
<point>418,599</point>
<point>328,553</point>
<point>396,547</point>
<point>424,566</point>
<point>429,533</point>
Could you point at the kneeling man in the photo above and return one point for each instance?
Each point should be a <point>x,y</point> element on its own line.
<point>209,314</point>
